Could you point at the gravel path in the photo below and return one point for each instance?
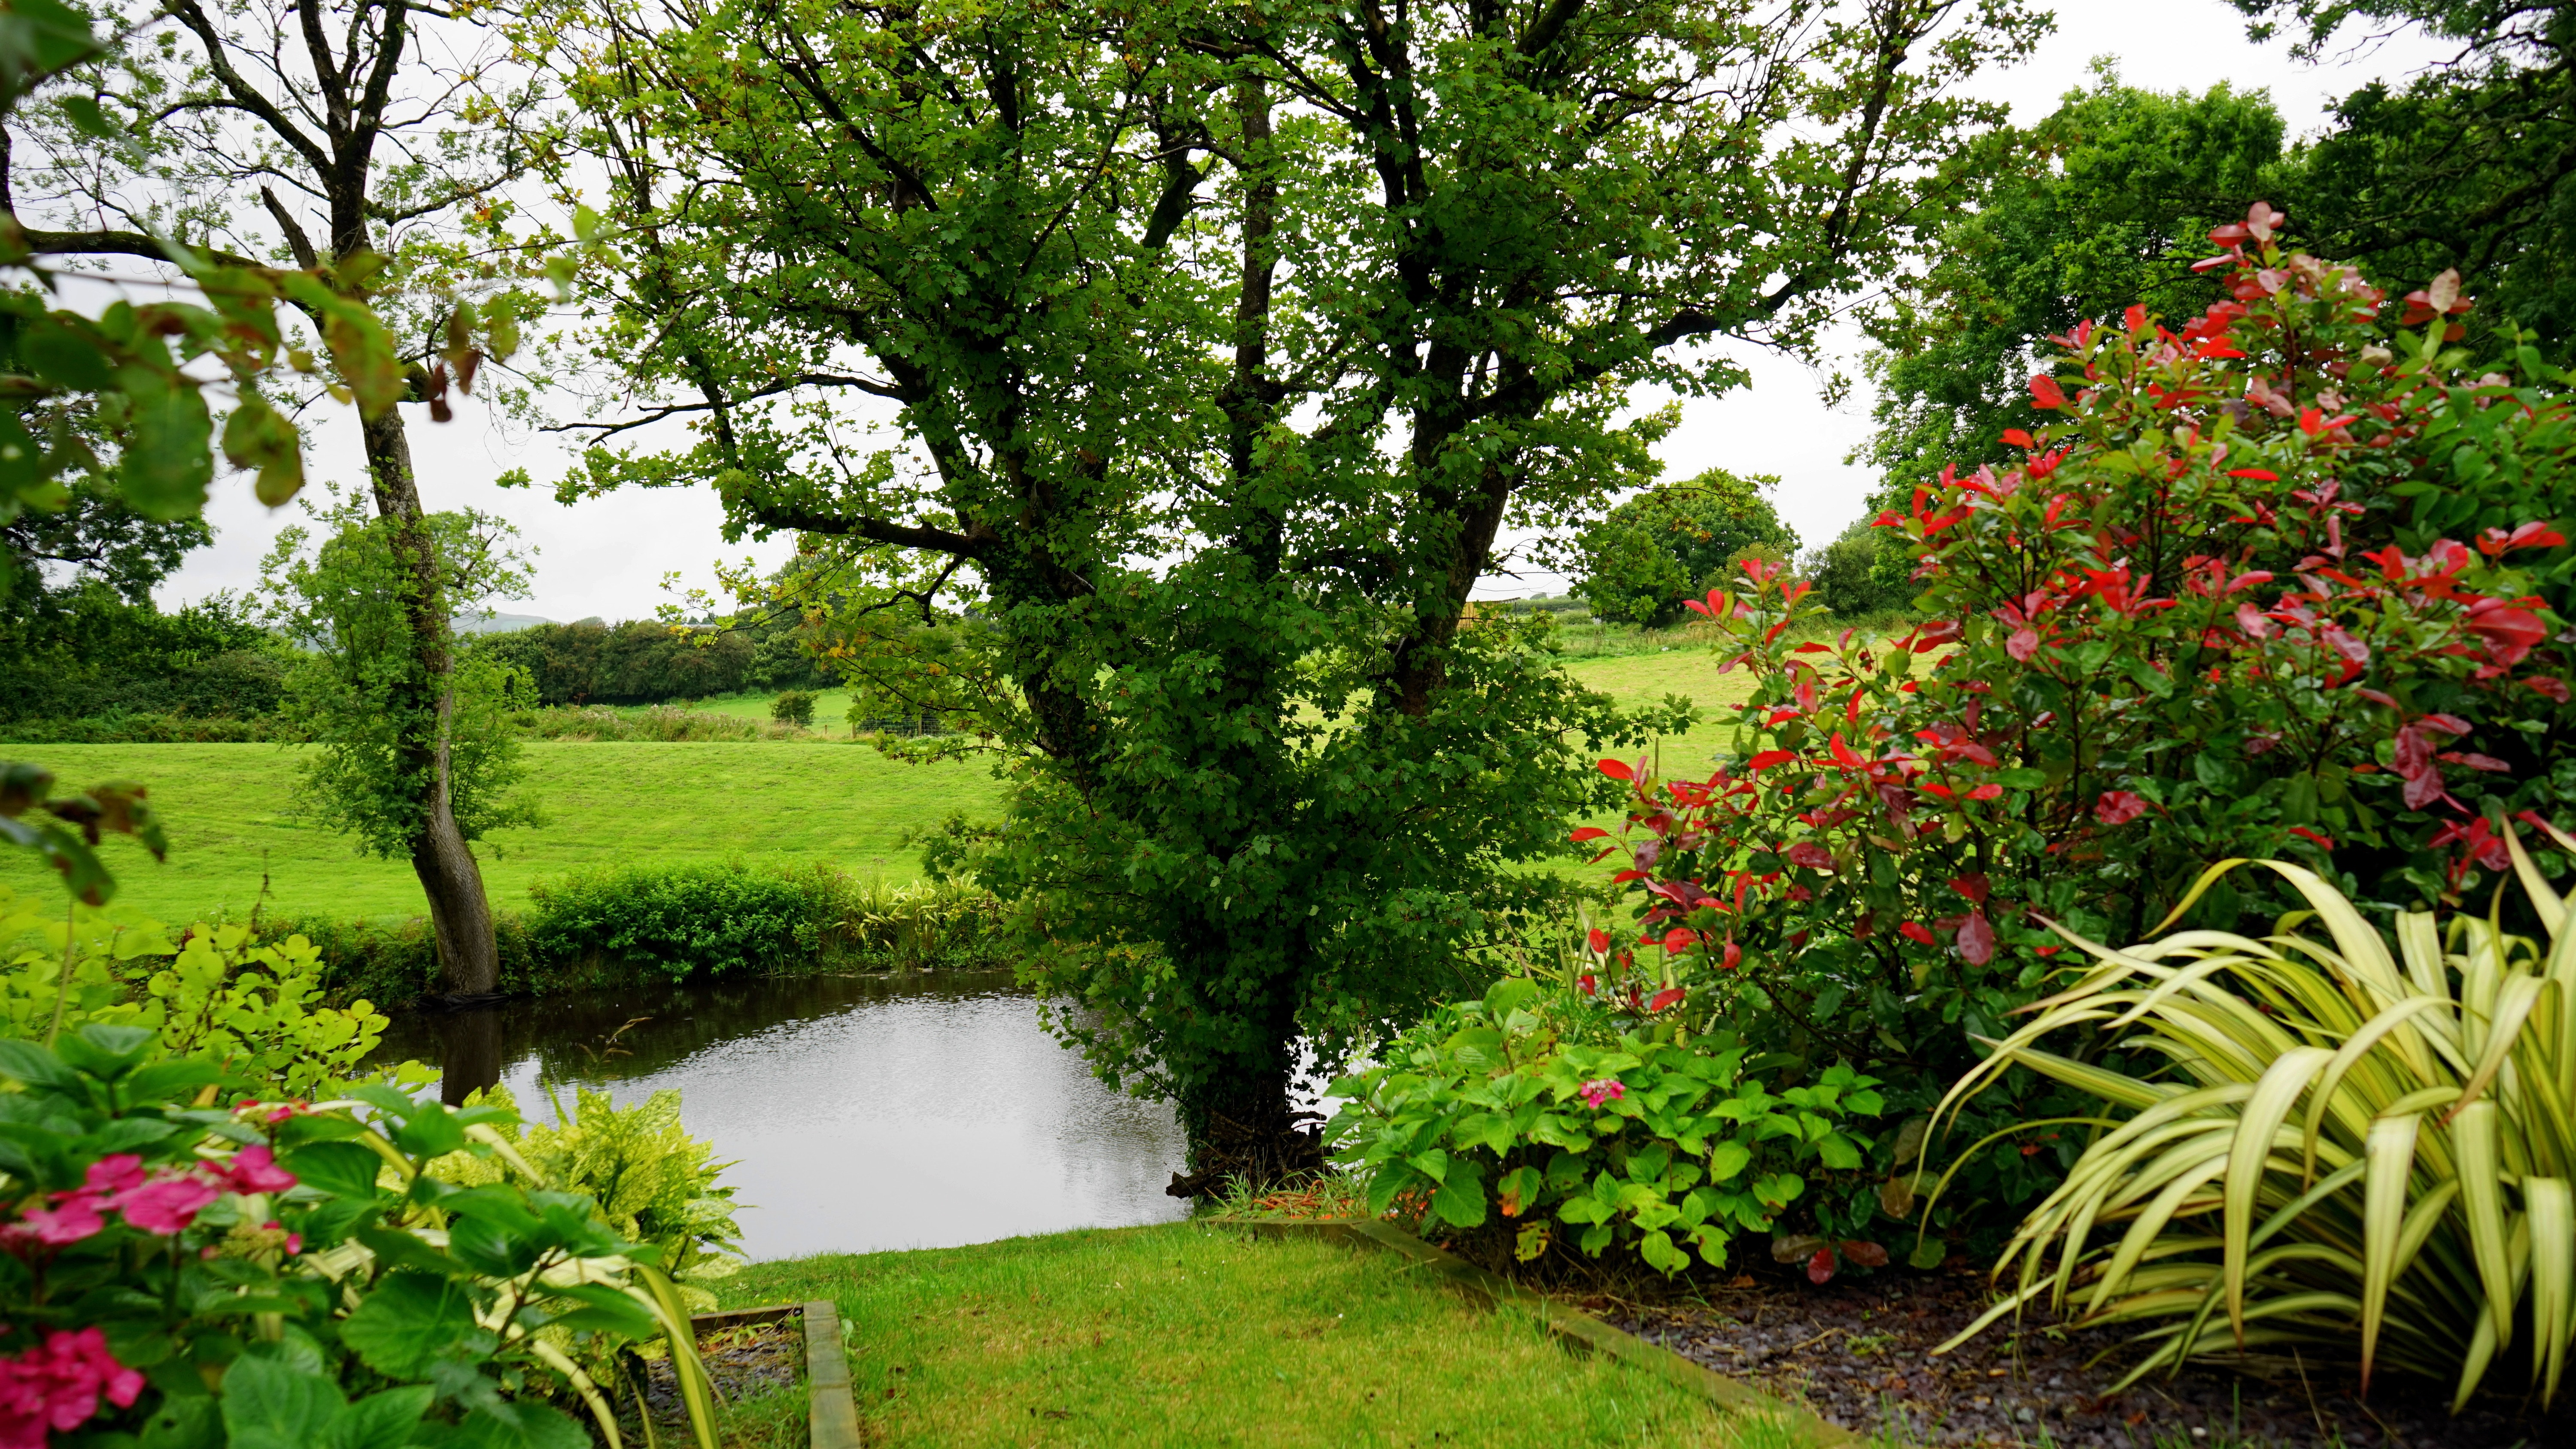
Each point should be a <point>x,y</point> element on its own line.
<point>1857,1350</point>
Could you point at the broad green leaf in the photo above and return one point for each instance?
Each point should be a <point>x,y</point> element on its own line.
<point>268,1405</point>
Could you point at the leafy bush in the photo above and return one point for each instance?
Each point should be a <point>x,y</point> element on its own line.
<point>1573,1116</point>
<point>152,729</point>
<point>794,706</point>
<point>637,662</point>
<point>709,920</point>
<point>275,1274</point>
<point>653,1182</point>
<point>2202,620</point>
<point>217,993</point>
<point>2348,1148</point>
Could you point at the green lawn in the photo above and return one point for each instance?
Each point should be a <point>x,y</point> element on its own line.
<point>606,804</point>
<point>616,804</point>
<point>1197,1335</point>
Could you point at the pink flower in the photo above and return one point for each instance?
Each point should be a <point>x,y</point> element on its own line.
<point>169,1204</point>
<point>115,1173</point>
<point>1605,1089</point>
<point>254,1169</point>
<point>69,1221</point>
<point>57,1387</point>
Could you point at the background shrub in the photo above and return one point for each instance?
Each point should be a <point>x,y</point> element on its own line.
<point>794,706</point>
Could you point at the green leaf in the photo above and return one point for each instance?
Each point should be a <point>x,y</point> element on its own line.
<point>1928,1254</point>
<point>1460,1200</point>
<point>411,1321</point>
<point>268,1405</point>
<point>67,352</point>
<point>342,1169</point>
<point>169,453</point>
<point>1838,1152</point>
<point>2022,778</point>
<point>380,1421</point>
<point>28,1063</point>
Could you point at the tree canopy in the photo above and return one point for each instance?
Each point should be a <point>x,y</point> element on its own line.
<point>1665,545</point>
<point>1220,343</point>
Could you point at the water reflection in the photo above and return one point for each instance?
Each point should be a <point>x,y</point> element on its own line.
<point>863,1113</point>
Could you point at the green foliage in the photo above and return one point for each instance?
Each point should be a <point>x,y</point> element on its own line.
<point>86,654</point>
<point>2101,204</point>
<point>97,538</point>
<point>794,706</point>
<point>637,662</point>
<point>654,1183</point>
<point>2468,164</point>
<point>2344,1148</point>
<point>360,692</point>
<point>264,1275</point>
<point>1217,529</point>
<point>1597,1126</point>
<point>1848,579</point>
<point>662,724</point>
<point>1676,542</point>
<point>218,993</point>
<point>704,921</point>
<point>2182,628</point>
<point>62,830</point>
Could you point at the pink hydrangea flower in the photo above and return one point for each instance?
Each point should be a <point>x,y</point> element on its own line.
<point>117,1172</point>
<point>255,1169</point>
<point>56,1387</point>
<point>1604,1089</point>
<point>74,1218</point>
<point>167,1205</point>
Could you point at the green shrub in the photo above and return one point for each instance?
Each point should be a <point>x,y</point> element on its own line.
<point>150,729</point>
<point>1581,1117</point>
<point>689,921</point>
<point>793,706</point>
<point>2346,1149</point>
<point>653,1182</point>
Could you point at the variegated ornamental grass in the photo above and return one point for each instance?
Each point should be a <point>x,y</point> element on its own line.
<point>2354,1147</point>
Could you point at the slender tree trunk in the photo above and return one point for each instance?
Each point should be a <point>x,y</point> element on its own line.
<point>459,914</point>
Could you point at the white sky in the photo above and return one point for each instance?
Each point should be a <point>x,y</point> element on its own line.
<point>608,557</point>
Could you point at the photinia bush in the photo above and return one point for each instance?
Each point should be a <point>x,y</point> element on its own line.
<point>2283,581</point>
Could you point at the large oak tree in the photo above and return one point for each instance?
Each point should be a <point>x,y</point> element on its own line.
<point>1220,344</point>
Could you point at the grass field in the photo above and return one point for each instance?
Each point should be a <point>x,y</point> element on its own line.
<point>1201,1336</point>
<point>606,804</point>
<point>615,804</point>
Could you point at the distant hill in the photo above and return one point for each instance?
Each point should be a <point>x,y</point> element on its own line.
<point>498,623</point>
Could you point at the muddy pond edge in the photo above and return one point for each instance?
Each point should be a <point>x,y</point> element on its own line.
<point>832,1414</point>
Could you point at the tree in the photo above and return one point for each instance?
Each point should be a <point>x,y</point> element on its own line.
<point>1669,544</point>
<point>359,690</point>
<point>1847,577</point>
<point>344,107</point>
<point>1225,341</point>
<point>2469,165</point>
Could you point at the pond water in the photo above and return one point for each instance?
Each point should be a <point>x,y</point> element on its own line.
<point>863,1112</point>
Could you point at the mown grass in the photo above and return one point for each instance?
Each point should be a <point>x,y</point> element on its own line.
<point>615,804</point>
<point>225,807</point>
<point>1198,1335</point>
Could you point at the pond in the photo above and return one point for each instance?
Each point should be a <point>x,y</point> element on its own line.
<point>862,1112</point>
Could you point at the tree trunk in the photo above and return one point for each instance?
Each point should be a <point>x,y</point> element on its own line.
<point>460,916</point>
<point>1239,1120</point>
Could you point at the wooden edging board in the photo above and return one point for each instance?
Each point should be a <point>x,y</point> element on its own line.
<point>832,1415</point>
<point>1581,1329</point>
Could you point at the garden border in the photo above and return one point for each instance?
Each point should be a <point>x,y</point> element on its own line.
<point>1581,1329</point>
<point>831,1414</point>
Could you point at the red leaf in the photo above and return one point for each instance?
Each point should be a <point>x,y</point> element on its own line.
<point>1625,876</point>
<point>2023,644</point>
<point>1618,770</point>
<point>1871,1255</point>
<point>2259,475</point>
<point>1843,753</point>
<point>2551,686</point>
<point>1734,956</point>
<point>1679,939</point>
<point>1985,792</point>
<point>1810,855</point>
<point>1974,887</point>
<point>1820,1268</point>
<point>1589,832</point>
<point>1916,932</point>
<point>2119,807</point>
<point>1768,758</point>
<point>1587,983</point>
<point>2046,393</point>
<point>1669,996</point>
<point>1976,939</point>
<point>2135,319</point>
<point>2019,439</point>
<point>2322,842</point>
<point>1598,939</point>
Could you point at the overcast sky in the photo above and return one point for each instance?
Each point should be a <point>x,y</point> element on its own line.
<point>608,557</point>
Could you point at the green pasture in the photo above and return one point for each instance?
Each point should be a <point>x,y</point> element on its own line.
<point>1199,1335</point>
<point>226,810</point>
<point>226,807</point>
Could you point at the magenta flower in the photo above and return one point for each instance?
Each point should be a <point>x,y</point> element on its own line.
<point>167,1205</point>
<point>56,1387</point>
<point>114,1173</point>
<point>255,1169</point>
<point>1604,1089</point>
<point>68,1221</point>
